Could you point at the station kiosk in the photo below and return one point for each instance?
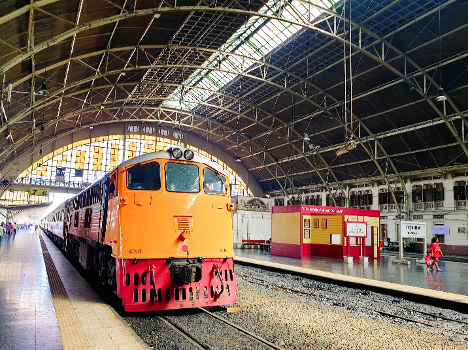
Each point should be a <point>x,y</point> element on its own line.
<point>308,230</point>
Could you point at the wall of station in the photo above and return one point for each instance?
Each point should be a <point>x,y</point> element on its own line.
<point>251,219</point>
<point>442,203</point>
<point>131,133</point>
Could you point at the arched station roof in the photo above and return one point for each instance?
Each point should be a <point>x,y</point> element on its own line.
<point>304,92</point>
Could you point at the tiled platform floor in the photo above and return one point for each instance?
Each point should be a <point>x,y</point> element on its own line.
<point>27,315</point>
<point>452,279</point>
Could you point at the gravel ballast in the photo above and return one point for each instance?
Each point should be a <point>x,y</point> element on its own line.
<point>298,313</point>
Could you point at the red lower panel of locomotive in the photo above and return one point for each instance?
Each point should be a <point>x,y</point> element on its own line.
<point>150,285</point>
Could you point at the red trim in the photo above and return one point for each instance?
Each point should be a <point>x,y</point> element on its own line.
<point>286,209</point>
<point>328,250</point>
<point>324,210</point>
<point>284,249</point>
<point>254,241</point>
<point>138,297</point>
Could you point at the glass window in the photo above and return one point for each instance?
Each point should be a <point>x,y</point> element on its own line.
<point>144,177</point>
<point>214,182</point>
<point>182,178</point>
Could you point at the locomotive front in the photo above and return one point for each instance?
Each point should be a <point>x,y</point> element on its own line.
<point>170,229</point>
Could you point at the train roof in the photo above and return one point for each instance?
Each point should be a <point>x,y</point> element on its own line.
<point>168,155</point>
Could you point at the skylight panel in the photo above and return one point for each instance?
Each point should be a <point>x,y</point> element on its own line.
<point>255,39</point>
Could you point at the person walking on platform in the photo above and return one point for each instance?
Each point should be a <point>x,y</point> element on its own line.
<point>15,227</point>
<point>436,252</point>
<point>10,228</point>
<point>2,230</point>
<point>427,259</point>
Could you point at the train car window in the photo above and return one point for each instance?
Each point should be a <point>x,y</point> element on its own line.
<point>113,185</point>
<point>93,195</point>
<point>144,177</point>
<point>182,177</point>
<point>214,182</point>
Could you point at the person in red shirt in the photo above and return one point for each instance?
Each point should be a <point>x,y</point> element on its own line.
<point>427,259</point>
<point>436,252</point>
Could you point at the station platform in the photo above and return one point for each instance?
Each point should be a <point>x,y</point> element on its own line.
<point>450,285</point>
<point>46,304</point>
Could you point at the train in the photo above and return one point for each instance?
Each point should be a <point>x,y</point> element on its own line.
<point>156,230</point>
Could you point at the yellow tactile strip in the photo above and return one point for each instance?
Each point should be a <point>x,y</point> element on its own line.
<point>71,332</point>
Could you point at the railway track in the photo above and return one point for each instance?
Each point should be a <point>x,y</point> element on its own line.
<point>256,337</point>
<point>283,326</point>
<point>193,340</point>
<point>336,301</point>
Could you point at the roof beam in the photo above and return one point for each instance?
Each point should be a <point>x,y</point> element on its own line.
<point>49,100</point>
<point>34,4</point>
<point>97,108</point>
<point>70,54</point>
<point>328,34</point>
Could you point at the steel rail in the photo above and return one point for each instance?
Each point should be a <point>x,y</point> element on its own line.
<point>264,341</point>
<point>369,308</point>
<point>184,334</point>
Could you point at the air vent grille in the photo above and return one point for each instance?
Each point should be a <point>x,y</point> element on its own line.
<point>184,223</point>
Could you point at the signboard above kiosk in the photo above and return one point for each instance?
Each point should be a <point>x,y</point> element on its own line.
<point>356,229</point>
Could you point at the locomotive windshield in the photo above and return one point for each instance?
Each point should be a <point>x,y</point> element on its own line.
<point>144,177</point>
<point>213,182</point>
<point>182,178</point>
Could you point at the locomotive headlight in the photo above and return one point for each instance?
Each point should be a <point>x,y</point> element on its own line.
<point>188,154</point>
<point>176,153</point>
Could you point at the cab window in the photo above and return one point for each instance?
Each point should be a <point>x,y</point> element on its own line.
<point>113,185</point>
<point>144,177</point>
<point>214,182</point>
<point>182,178</point>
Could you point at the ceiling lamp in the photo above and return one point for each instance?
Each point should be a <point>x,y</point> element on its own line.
<point>350,144</point>
<point>43,90</point>
<point>306,137</point>
<point>315,148</point>
<point>441,96</point>
<point>238,159</point>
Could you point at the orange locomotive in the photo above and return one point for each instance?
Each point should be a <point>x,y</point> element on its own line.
<point>158,229</point>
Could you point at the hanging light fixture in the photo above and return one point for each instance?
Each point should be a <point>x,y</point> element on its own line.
<point>306,137</point>
<point>238,159</point>
<point>43,89</point>
<point>441,95</point>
